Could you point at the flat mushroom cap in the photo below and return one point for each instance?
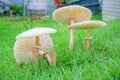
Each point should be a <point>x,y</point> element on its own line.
<point>88,24</point>
<point>36,32</point>
<point>79,13</point>
<point>23,48</point>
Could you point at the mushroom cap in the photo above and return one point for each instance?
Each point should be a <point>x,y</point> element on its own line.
<point>88,24</point>
<point>36,32</point>
<point>79,13</point>
<point>23,48</point>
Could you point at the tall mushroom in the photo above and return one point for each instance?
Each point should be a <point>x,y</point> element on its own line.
<point>71,14</point>
<point>32,43</point>
<point>88,25</point>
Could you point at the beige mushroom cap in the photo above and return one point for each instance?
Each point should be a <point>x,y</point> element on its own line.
<point>36,32</point>
<point>79,13</point>
<point>23,48</point>
<point>88,24</point>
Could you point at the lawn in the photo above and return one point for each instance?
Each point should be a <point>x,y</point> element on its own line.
<point>101,62</point>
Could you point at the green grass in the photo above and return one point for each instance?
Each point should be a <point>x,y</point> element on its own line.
<point>101,62</point>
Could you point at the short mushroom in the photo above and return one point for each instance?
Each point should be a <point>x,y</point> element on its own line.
<point>88,25</point>
<point>71,14</point>
<point>32,43</point>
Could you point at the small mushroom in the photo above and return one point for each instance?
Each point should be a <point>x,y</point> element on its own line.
<point>69,15</point>
<point>88,25</point>
<point>32,43</point>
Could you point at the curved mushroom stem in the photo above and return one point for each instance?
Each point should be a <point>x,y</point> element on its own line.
<point>88,39</point>
<point>51,58</point>
<point>71,35</point>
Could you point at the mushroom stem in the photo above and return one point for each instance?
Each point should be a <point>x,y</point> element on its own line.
<point>36,55</point>
<point>36,61</point>
<point>71,39</point>
<point>36,51</point>
<point>71,35</point>
<point>37,40</point>
<point>88,38</point>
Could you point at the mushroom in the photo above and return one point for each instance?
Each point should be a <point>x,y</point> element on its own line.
<point>32,43</point>
<point>69,15</point>
<point>88,25</point>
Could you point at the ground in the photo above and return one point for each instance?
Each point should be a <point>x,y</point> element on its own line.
<point>101,62</point>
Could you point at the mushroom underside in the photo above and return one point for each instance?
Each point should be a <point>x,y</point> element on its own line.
<point>23,48</point>
<point>63,15</point>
